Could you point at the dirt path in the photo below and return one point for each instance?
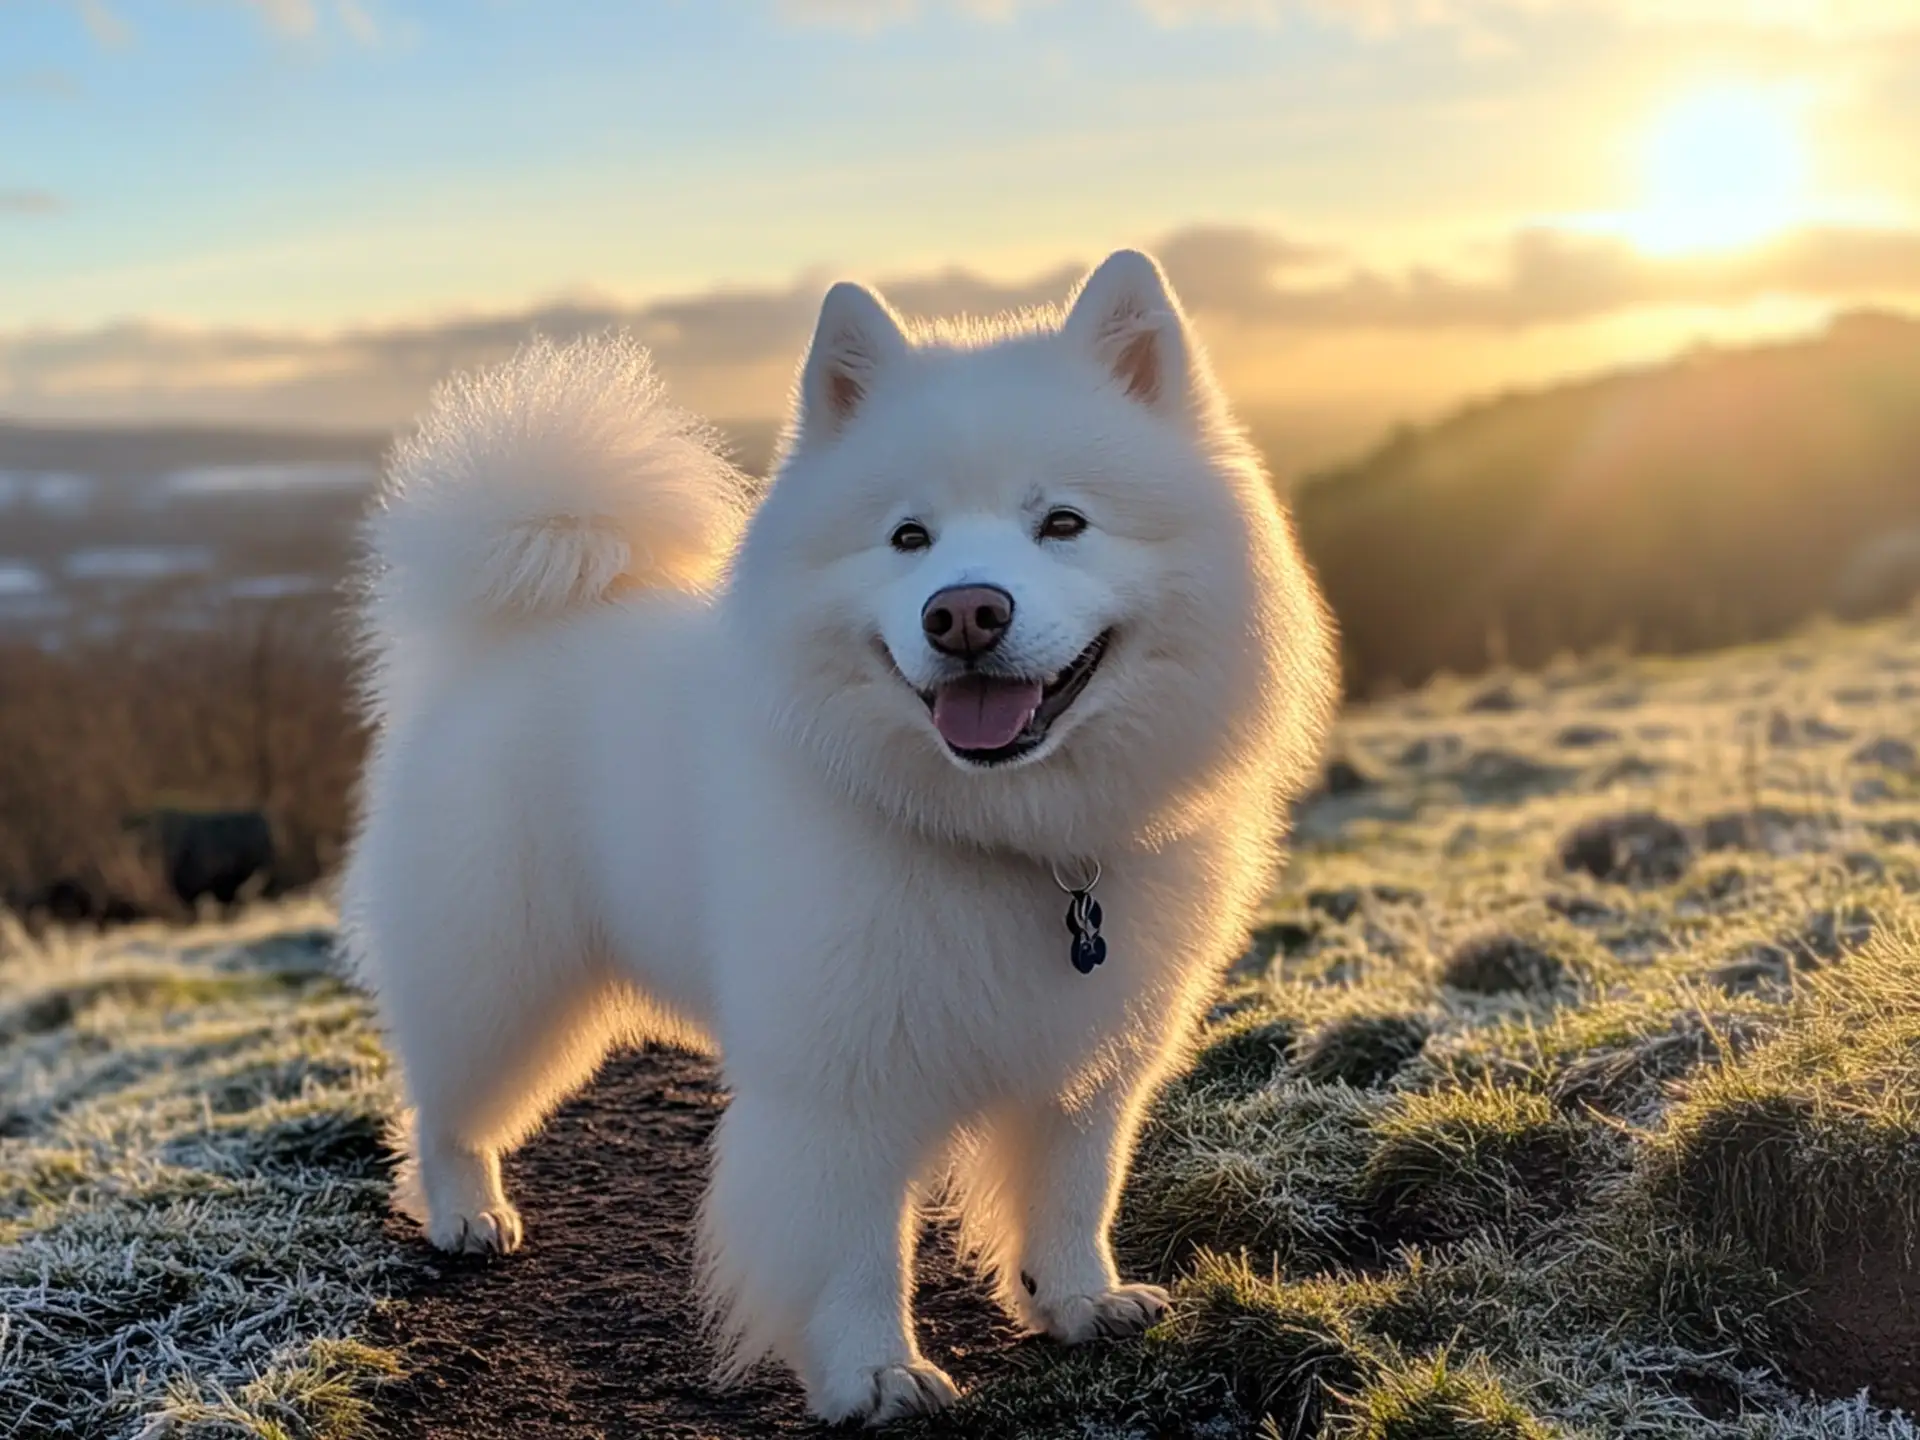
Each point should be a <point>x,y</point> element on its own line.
<point>589,1332</point>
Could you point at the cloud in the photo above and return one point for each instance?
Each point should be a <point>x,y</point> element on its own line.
<point>1554,277</point>
<point>1394,17</point>
<point>29,202</point>
<point>359,23</point>
<point>290,17</point>
<point>295,19</point>
<point>105,25</point>
<point>732,352</point>
<point>869,15</point>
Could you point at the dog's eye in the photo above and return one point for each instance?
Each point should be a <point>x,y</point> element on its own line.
<point>910,535</point>
<point>1062,524</point>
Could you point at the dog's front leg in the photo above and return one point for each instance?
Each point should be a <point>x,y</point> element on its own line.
<point>808,1241</point>
<point>1075,1164</point>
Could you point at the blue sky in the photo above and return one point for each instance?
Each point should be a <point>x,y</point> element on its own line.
<point>304,167</point>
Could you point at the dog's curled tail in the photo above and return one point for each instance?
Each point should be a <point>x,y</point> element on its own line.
<point>548,483</point>
<point>540,487</point>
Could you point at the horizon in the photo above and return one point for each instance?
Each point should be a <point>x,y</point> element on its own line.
<point>300,213</point>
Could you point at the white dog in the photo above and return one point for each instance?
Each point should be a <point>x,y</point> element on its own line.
<point>822,779</point>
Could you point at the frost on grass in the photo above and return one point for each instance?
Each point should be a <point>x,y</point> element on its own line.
<point>1588,1110</point>
<point>1572,1092</point>
<point>192,1183</point>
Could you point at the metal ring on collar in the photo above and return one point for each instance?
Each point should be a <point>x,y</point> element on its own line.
<point>1075,889</point>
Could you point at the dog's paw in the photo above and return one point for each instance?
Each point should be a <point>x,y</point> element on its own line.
<point>1123,1310</point>
<point>887,1393</point>
<point>492,1231</point>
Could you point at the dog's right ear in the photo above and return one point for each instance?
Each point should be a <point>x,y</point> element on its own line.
<point>856,339</point>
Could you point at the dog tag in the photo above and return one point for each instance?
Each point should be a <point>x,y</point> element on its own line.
<point>1083,922</point>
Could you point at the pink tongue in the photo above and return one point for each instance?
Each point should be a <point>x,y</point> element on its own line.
<point>980,713</point>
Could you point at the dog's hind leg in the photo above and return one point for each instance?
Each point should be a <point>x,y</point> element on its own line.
<point>490,1039</point>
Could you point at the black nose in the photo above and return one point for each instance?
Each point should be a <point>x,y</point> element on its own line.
<point>966,620</point>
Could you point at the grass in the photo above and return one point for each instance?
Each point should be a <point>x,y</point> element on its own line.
<point>192,1187</point>
<point>1579,1049</point>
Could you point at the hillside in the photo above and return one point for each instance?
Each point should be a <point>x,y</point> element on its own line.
<point>1570,1091</point>
<point>1715,500</point>
<point>142,450</point>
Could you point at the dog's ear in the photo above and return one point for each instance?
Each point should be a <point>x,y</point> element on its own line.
<point>856,338</point>
<point>1126,317</point>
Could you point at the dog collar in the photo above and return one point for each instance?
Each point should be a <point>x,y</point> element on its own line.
<point>1083,921</point>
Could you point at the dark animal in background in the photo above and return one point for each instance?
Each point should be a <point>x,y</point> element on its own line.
<point>208,852</point>
<point>68,901</point>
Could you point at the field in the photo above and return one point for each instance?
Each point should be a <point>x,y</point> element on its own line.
<point>1572,1088</point>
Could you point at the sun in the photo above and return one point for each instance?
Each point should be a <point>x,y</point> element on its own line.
<point>1721,168</point>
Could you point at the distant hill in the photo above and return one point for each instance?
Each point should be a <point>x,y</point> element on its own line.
<point>141,450</point>
<point>1722,497</point>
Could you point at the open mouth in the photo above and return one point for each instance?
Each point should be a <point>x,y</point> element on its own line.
<point>991,719</point>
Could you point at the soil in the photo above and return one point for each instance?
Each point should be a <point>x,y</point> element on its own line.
<point>589,1332</point>
<point>1864,1330</point>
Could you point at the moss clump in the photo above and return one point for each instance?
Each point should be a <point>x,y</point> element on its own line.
<point>1435,1399</point>
<point>1503,964</point>
<point>1637,848</point>
<point>1362,1050</point>
<point>1291,1350</point>
<point>1630,1079</point>
<point>1810,1142</point>
<point>1449,1164</point>
<point>1273,1174</point>
<point>1244,1057</point>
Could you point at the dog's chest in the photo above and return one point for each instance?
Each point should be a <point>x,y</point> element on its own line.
<point>962,982</point>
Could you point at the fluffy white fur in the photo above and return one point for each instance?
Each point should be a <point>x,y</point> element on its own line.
<point>651,762</point>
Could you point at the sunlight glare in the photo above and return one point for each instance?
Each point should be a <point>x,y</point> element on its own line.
<point>1723,168</point>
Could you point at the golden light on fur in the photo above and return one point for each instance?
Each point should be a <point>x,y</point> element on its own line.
<point>609,798</point>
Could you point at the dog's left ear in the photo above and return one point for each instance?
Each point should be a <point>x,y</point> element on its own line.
<point>1126,317</point>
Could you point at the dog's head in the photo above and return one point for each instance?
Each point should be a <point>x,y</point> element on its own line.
<point>1023,584</point>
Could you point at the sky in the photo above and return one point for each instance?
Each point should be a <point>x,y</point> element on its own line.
<point>306,211</point>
